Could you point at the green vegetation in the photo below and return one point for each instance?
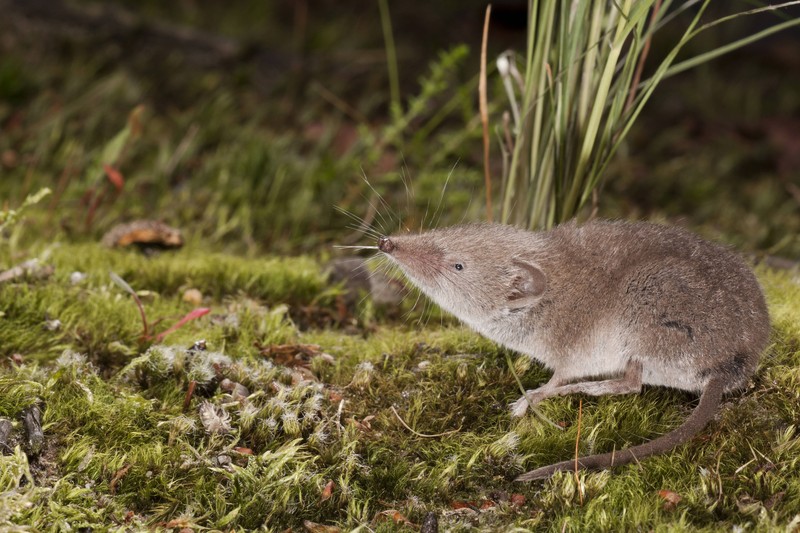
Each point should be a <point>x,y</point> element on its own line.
<point>118,431</point>
<point>580,92</point>
<point>304,406</point>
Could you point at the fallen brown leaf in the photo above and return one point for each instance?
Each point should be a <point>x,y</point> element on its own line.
<point>671,499</point>
<point>487,504</point>
<point>481,505</point>
<point>393,515</point>
<point>178,522</point>
<point>313,527</point>
<point>117,477</point>
<point>363,425</point>
<point>517,500</point>
<point>334,396</point>
<point>292,355</point>
<point>327,491</point>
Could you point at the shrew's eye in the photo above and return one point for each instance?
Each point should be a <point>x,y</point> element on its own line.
<point>459,266</point>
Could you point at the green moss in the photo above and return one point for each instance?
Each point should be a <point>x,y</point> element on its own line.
<point>118,430</point>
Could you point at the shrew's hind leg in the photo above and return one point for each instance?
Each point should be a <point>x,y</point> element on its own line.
<point>629,382</point>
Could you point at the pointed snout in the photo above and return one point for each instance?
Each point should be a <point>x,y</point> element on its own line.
<point>386,245</point>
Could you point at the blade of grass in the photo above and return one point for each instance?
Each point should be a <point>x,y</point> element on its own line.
<point>391,56</point>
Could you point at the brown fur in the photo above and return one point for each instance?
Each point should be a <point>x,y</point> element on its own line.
<point>629,302</point>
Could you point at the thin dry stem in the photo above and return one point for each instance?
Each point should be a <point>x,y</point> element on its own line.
<point>423,435</point>
<point>642,58</point>
<point>485,114</point>
<point>577,442</point>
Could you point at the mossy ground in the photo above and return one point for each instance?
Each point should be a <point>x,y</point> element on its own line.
<point>122,450</point>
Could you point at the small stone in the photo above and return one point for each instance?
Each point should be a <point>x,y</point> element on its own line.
<point>237,391</point>
<point>193,296</point>
<point>52,325</point>
<point>5,433</point>
<point>430,524</point>
<point>32,420</point>
<point>77,277</point>
<point>223,460</point>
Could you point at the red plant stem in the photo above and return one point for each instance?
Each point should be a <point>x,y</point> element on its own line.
<point>189,393</point>
<point>136,299</point>
<point>196,313</point>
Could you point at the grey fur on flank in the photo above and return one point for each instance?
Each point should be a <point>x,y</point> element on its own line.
<point>607,306</point>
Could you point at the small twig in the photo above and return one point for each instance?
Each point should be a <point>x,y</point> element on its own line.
<point>339,104</point>
<point>483,104</point>
<point>524,394</point>
<point>577,442</point>
<point>645,50</point>
<point>423,435</point>
<point>181,150</point>
<point>339,416</point>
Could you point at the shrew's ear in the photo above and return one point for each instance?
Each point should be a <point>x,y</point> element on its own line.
<point>527,285</point>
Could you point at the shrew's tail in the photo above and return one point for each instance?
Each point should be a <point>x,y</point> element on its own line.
<point>702,414</point>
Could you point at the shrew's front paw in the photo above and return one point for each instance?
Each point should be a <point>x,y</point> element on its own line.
<point>519,407</point>
<point>531,398</point>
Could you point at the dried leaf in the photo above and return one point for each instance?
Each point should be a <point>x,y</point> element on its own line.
<point>294,355</point>
<point>302,375</point>
<point>487,504</point>
<point>334,396</point>
<point>363,425</point>
<point>517,500</point>
<point>393,515</point>
<point>456,505</point>
<point>114,176</point>
<point>313,527</point>
<point>327,491</point>
<point>117,477</point>
<point>670,496</point>
<point>481,505</point>
<point>671,499</point>
<point>177,523</point>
